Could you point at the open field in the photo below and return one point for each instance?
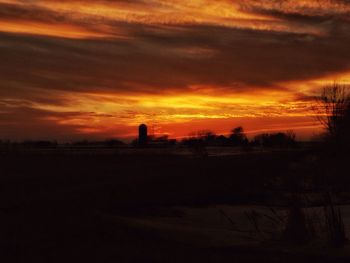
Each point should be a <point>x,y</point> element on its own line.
<point>152,205</point>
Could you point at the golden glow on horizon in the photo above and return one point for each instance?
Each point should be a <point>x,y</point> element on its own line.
<point>171,109</point>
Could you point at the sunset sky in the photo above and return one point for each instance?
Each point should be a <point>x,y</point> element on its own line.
<point>73,69</point>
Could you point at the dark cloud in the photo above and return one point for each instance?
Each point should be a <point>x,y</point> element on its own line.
<point>160,59</point>
<point>19,121</point>
<point>30,13</point>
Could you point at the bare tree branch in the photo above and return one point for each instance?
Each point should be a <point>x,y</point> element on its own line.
<point>332,109</point>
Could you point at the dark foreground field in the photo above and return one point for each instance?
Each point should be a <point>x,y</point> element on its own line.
<point>150,207</point>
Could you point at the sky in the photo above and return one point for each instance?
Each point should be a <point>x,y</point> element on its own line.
<point>94,69</point>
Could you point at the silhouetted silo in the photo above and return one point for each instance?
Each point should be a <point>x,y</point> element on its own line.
<point>143,134</point>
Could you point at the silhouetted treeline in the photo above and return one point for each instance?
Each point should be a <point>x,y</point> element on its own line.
<point>237,138</point>
<point>205,138</point>
<point>279,140</point>
<point>209,138</point>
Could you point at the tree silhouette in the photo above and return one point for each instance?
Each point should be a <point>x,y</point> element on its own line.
<point>238,137</point>
<point>333,112</point>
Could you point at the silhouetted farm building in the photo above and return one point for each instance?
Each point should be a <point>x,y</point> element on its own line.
<point>143,136</point>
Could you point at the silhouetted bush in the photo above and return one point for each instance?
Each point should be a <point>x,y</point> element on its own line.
<point>222,140</point>
<point>164,141</point>
<point>297,228</point>
<point>155,142</point>
<point>334,223</point>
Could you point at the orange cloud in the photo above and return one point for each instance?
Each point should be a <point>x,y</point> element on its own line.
<point>235,14</point>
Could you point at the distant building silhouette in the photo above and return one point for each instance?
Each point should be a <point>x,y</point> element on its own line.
<point>143,136</point>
